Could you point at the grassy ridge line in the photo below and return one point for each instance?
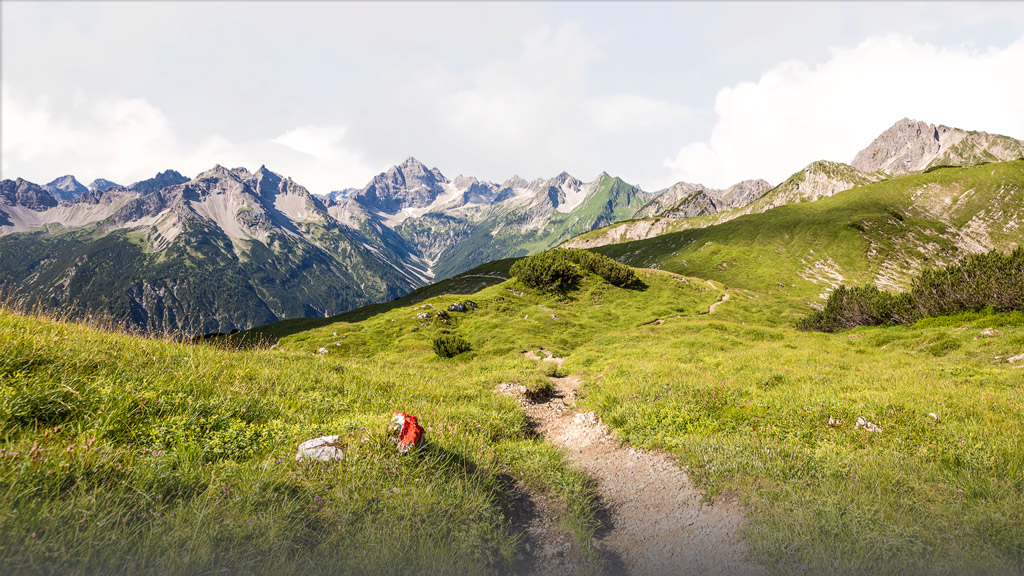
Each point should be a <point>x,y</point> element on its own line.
<point>125,454</point>
<point>1002,172</point>
<point>795,253</point>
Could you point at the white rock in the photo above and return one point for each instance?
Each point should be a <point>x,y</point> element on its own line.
<point>863,422</point>
<point>324,448</point>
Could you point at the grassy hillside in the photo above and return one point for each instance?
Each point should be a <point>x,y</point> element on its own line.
<point>1002,190</point>
<point>881,233</point>
<point>191,471</point>
<point>189,433</point>
<point>745,403</point>
<point>127,455</point>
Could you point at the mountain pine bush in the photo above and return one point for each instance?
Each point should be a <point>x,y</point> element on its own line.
<point>978,281</point>
<point>560,270</point>
<point>450,345</point>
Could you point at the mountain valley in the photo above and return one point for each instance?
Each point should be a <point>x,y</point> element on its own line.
<point>232,249</point>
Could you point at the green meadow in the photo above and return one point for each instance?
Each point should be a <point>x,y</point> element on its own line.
<point>126,454</point>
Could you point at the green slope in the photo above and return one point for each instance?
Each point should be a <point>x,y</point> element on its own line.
<point>123,455</point>
<point>744,402</point>
<point>881,232</point>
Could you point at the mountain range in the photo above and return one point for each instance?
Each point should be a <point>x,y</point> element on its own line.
<point>233,249</point>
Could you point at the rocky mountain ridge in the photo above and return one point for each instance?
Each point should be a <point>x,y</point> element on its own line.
<point>908,146</point>
<point>912,146</point>
<point>66,188</point>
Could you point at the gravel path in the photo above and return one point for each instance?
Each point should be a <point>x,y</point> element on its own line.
<point>655,521</point>
<point>725,297</point>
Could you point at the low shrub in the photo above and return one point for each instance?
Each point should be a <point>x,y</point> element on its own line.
<point>978,281</point>
<point>560,270</point>
<point>450,345</point>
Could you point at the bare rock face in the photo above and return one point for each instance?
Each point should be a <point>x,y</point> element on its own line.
<point>912,145</point>
<point>741,193</point>
<point>24,193</point>
<point>160,181</point>
<point>101,184</point>
<point>670,197</point>
<point>66,188</point>
<point>700,203</point>
<point>818,180</point>
<point>408,185</point>
<point>685,200</point>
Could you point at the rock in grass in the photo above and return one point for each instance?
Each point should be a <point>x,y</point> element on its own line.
<point>864,423</point>
<point>457,307</point>
<point>324,448</point>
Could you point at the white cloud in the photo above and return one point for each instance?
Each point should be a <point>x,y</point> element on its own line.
<point>624,113</point>
<point>796,114</point>
<point>129,139</point>
<point>321,142</point>
<point>122,139</point>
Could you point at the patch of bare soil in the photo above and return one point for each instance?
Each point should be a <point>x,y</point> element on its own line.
<point>656,523</point>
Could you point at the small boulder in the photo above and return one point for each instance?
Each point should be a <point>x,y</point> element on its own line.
<point>324,448</point>
<point>423,315</point>
<point>470,303</point>
<point>990,332</point>
<point>442,315</point>
<point>457,307</point>
<point>864,423</point>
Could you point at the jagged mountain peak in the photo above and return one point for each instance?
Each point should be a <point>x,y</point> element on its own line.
<point>20,192</point>
<point>515,182</point>
<point>563,177</point>
<point>407,185</point>
<point>66,188</point>
<point>101,184</point>
<point>160,181</point>
<point>912,145</point>
<point>412,162</point>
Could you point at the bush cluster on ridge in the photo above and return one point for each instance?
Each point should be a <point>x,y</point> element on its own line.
<point>560,270</point>
<point>976,282</point>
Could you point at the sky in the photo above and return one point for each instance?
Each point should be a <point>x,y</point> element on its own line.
<point>333,93</point>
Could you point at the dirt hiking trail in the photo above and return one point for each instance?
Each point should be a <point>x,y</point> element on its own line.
<point>654,522</point>
<point>724,298</point>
